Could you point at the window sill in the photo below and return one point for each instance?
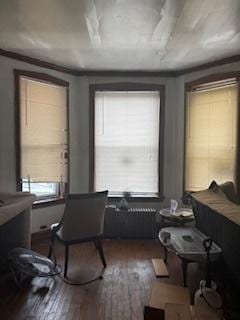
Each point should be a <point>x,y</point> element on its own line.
<point>138,198</point>
<point>48,202</point>
<point>112,198</point>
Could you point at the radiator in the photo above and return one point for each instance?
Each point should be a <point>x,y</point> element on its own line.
<point>134,223</point>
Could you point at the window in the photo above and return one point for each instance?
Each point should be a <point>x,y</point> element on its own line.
<point>126,141</point>
<point>211,134</point>
<point>43,138</point>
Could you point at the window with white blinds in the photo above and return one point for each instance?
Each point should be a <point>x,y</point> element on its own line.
<point>43,136</point>
<point>211,135</point>
<point>127,141</point>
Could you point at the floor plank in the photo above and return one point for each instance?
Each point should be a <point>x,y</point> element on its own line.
<point>121,295</point>
<point>160,268</point>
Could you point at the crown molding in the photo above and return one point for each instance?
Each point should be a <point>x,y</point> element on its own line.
<point>117,73</point>
<point>204,66</point>
<point>37,62</point>
<point>127,73</point>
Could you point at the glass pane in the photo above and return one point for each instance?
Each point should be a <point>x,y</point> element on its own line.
<point>41,189</point>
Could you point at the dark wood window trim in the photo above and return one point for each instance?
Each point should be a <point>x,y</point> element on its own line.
<point>128,87</point>
<point>52,80</point>
<point>189,86</point>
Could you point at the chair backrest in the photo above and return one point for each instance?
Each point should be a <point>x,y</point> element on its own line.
<point>83,216</point>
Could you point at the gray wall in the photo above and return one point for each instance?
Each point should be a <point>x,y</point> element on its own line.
<point>79,131</point>
<point>169,185</point>
<point>48,215</point>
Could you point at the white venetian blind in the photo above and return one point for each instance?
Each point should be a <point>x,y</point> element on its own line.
<point>211,135</point>
<point>43,131</point>
<point>127,141</point>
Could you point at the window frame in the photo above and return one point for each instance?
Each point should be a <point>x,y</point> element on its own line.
<point>189,86</point>
<point>45,78</point>
<point>126,86</point>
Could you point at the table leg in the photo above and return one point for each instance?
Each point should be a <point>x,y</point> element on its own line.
<point>165,254</point>
<point>184,271</point>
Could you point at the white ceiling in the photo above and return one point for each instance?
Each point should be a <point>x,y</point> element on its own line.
<point>122,34</point>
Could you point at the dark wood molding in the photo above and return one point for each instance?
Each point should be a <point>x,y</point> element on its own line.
<point>117,73</point>
<point>126,86</point>
<point>127,73</point>
<point>161,141</point>
<point>17,130</point>
<point>212,78</point>
<point>77,72</point>
<point>91,137</point>
<point>158,73</point>
<point>67,185</point>
<point>129,86</point>
<point>208,65</point>
<point>37,237</point>
<point>37,62</point>
<point>43,77</point>
<point>184,142</point>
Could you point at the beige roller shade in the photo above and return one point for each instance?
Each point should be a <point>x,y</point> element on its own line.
<point>211,136</point>
<point>43,131</point>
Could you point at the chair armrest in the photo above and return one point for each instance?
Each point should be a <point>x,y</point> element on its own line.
<point>55,227</point>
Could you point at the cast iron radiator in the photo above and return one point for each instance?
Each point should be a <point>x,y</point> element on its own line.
<point>134,223</point>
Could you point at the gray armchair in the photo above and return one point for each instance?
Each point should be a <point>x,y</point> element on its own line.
<point>82,221</point>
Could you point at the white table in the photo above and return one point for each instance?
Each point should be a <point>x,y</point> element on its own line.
<point>187,244</point>
<point>168,216</point>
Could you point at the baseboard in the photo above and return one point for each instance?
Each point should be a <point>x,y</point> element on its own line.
<point>41,236</point>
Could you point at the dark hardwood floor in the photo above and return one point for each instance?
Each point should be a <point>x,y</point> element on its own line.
<point>121,295</point>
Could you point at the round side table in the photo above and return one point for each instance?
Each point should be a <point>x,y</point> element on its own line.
<point>180,218</point>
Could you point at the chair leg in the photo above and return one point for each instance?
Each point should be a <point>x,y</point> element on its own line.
<point>66,260</point>
<point>98,244</point>
<point>50,251</point>
<point>51,245</point>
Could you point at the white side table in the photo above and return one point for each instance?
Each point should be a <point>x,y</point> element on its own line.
<point>181,217</point>
<point>187,244</point>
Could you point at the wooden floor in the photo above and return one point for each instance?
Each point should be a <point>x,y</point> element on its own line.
<point>121,295</point>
